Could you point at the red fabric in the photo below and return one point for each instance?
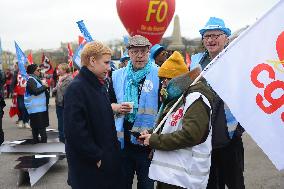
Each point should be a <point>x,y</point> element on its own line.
<point>46,65</point>
<point>30,58</point>
<point>70,55</point>
<point>8,82</point>
<point>81,40</point>
<point>20,88</point>
<point>187,59</point>
<point>70,51</point>
<point>48,81</point>
<point>75,73</point>
<point>70,63</point>
<point>14,107</point>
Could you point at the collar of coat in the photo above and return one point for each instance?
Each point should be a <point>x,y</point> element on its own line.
<point>90,77</point>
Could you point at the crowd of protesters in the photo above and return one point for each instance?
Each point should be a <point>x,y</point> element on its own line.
<point>149,117</point>
<point>30,97</point>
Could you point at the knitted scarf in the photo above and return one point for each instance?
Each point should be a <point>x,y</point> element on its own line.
<point>131,90</point>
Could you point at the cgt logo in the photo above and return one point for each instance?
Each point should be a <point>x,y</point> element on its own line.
<point>275,85</point>
<point>176,116</point>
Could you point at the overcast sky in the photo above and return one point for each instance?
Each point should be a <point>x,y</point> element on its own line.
<point>37,24</point>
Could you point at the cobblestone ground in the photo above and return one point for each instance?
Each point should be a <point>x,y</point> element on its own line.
<point>259,171</point>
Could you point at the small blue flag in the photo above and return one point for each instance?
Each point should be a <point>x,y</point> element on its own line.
<point>84,31</point>
<point>77,55</point>
<point>125,40</point>
<point>22,60</point>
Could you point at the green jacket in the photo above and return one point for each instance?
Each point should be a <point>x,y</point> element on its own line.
<point>195,123</point>
<point>195,126</point>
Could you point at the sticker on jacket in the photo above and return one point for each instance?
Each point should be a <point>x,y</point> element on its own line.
<point>176,117</point>
<point>148,86</point>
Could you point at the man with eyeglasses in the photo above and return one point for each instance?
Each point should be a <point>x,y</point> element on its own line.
<point>136,84</point>
<point>227,160</point>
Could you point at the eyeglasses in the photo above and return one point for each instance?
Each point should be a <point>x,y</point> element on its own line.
<point>135,52</point>
<point>212,36</point>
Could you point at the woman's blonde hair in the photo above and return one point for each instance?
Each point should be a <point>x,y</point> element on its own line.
<point>64,67</point>
<point>93,49</point>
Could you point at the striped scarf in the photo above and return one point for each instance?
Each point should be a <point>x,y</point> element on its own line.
<point>131,90</point>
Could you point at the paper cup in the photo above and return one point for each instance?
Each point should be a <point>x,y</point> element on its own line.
<point>131,105</point>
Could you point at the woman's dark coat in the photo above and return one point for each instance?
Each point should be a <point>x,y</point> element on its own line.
<point>90,134</point>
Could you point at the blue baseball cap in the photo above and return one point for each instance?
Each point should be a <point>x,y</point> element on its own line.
<point>215,24</point>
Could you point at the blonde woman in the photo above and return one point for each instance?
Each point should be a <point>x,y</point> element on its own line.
<point>64,80</point>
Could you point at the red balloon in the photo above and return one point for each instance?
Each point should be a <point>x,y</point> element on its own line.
<point>149,18</point>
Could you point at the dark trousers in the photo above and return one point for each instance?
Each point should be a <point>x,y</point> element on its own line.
<point>59,113</point>
<point>136,161</point>
<point>227,166</point>
<point>39,131</point>
<point>22,108</point>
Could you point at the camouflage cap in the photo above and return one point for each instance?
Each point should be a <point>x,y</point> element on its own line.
<point>138,41</point>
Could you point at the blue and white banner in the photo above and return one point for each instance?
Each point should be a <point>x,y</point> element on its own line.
<point>22,60</point>
<point>84,31</point>
<point>88,38</point>
<point>77,55</point>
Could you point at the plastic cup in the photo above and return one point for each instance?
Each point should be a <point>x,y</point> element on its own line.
<point>131,105</point>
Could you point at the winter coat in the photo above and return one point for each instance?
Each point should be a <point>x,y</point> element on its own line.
<point>61,88</point>
<point>195,123</point>
<point>195,126</point>
<point>90,134</point>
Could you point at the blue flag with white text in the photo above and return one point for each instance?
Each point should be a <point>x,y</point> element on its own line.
<point>88,38</point>
<point>84,31</point>
<point>22,60</point>
<point>77,55</point>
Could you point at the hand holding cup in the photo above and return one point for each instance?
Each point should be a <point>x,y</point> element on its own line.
<point>126,107</point>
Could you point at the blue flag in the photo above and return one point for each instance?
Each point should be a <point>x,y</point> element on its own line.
<point>77,56</point>
<point>84,31</point>
<point>125,40</point>
<point>22,60</point>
